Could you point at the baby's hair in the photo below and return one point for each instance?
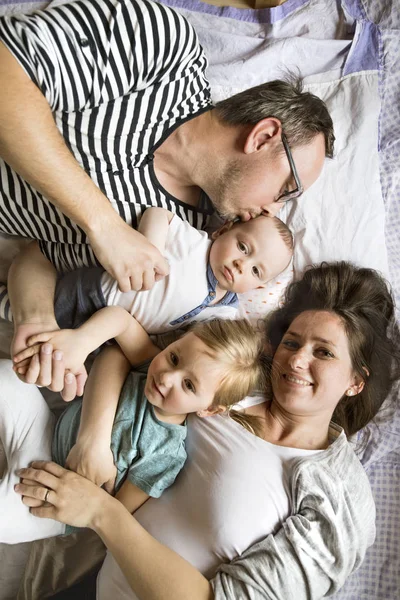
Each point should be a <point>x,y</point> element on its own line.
<point>239,347</point>
<point>282,228</point>
<point>285,233</point>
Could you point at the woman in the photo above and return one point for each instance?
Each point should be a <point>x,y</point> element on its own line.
<point>333,357</point>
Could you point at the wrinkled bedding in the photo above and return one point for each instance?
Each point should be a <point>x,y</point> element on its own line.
<point>348,53</point>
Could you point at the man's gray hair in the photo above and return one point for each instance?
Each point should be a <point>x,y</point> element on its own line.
<point>302,114</point>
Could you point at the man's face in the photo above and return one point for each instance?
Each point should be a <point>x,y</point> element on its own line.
<point>249,186</point>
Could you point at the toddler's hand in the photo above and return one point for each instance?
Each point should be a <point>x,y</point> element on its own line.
<point>94,460</point>
<point>45,369</point>
<point>65,340</point>
<point>22,334</point>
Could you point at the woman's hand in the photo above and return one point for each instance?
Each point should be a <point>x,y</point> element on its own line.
<point>70,498</point>
<point>94,460</point>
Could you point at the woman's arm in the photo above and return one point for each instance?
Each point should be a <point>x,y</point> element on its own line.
<point>311,556</point>
<point>153,571</point>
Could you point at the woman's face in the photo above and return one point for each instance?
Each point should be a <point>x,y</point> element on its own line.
<point>312,367</point>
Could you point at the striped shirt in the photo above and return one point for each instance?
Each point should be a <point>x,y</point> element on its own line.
<point>119,76</point>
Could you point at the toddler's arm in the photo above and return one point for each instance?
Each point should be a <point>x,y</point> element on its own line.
<point>131,496</point>
<point>154,226</point>
<point>106,324</point>
<point>91,456</point>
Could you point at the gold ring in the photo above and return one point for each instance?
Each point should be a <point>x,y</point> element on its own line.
<point>47,493</point>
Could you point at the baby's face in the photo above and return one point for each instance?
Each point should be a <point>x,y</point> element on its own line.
<point>183,378</point>
<point>248,255</point>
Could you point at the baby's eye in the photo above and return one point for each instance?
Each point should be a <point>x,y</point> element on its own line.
<point>256,272</point>
<point>173,358</point>
<point>189,385</point>
<point>243,248</point>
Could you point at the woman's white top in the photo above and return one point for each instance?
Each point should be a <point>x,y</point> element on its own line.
<point>233,491</point>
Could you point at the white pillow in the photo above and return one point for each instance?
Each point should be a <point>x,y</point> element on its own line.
<point>342,215</point>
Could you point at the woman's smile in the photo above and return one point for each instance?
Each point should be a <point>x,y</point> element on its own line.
<point>296,380</point>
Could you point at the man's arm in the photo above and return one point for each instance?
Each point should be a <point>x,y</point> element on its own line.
<point>32,145</point>
<point>31,284</point>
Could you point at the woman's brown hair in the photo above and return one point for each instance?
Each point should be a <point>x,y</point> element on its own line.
<point>363,301</point>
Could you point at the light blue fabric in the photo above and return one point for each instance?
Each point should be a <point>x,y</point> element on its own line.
<point>147,452</point>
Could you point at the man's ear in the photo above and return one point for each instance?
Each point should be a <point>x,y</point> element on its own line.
<point>265,132</point>
<point>223,229</point>
<point>211,411</point>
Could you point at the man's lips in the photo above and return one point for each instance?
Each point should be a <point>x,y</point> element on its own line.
<point>228,274</point>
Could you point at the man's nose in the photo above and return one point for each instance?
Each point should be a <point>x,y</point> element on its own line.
<point>271,210</point>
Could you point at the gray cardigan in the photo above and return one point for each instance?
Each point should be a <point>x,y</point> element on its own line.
<point>323,541</point>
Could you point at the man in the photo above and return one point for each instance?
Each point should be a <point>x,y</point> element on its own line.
<point>105,111</point>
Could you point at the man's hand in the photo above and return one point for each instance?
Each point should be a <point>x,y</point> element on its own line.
<point>126,254</point>
<point>94,460</point>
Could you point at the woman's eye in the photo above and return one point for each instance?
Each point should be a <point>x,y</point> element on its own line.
<point>290,344</point>
<point>174,359</point>
<point>256,272</point>
<point>189,385</point>
<point>242,247</point>
<point>325,353</point>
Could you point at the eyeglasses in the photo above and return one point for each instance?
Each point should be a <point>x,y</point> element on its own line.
<point>292,194</point>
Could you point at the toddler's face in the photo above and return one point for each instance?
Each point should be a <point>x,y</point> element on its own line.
<point>183,378</point>
<point>248,255</point>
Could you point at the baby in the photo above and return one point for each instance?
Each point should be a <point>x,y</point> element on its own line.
<point>210,368</point>
<point>204,280</point>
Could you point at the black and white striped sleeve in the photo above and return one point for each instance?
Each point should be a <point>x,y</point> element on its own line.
<point>88,52</point>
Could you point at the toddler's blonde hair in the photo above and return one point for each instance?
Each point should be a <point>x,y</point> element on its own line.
<point>239,347</point>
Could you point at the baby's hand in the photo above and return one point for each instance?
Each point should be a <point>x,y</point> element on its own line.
<point>67,341</point>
